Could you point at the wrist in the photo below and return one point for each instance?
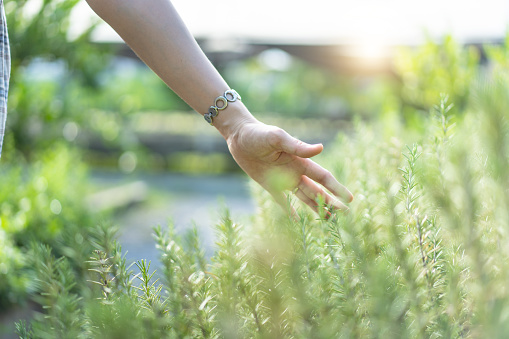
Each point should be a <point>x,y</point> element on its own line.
<point>230,120</point>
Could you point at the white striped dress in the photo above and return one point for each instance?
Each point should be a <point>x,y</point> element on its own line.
<point>5,71</point>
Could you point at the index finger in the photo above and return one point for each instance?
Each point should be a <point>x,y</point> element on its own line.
<point>322,176</point>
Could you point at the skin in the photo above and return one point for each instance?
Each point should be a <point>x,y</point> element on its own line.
<point>156,33</point>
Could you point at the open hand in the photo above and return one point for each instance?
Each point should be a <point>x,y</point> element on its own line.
<point>280,162</point>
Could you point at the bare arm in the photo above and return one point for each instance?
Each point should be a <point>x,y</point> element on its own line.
<point>154,30</point>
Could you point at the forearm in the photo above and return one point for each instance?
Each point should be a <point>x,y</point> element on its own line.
<point>155,31</point>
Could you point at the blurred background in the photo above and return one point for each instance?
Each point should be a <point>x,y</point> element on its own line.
<point>94,136</point>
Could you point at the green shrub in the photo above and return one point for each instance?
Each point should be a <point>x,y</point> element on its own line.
<point>434,68</point>
<point>421,254</point>
<point>43,203</point>
<point>38,104</point>
<point>299,91</point>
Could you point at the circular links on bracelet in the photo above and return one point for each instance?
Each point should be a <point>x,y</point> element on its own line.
<point>223,100</point>
<point>213,111</point>
<point>208,118</point>
<point>233,94</point>
<point>229,96</point>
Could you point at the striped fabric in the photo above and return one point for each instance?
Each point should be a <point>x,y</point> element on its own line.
<point>5,71</point>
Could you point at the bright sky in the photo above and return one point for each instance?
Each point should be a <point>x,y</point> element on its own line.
<point>336,21</point>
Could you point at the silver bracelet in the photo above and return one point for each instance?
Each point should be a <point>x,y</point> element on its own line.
<point>229,96</point>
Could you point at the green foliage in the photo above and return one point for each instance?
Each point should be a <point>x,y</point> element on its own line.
<point>299,91</point>
<point>435,68</point>
<point>43,203</point>
<point>418,77</point>
<point>56,281</point>
<point>421,254</point>
<point>65,86</point>
<point>40,34</point>
<point>499,54</point>
<point>134,89</point>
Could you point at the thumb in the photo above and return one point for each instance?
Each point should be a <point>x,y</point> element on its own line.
<point>299,148</point>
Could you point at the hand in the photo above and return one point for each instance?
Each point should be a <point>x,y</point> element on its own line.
<point>280,162</point>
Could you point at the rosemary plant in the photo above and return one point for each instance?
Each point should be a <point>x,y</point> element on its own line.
<point>422,253</point>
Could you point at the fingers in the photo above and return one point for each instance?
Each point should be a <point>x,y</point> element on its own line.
<point>305,199</point>
<point>308,192</point>
<point>284,141</point>
<point>326,179</point>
